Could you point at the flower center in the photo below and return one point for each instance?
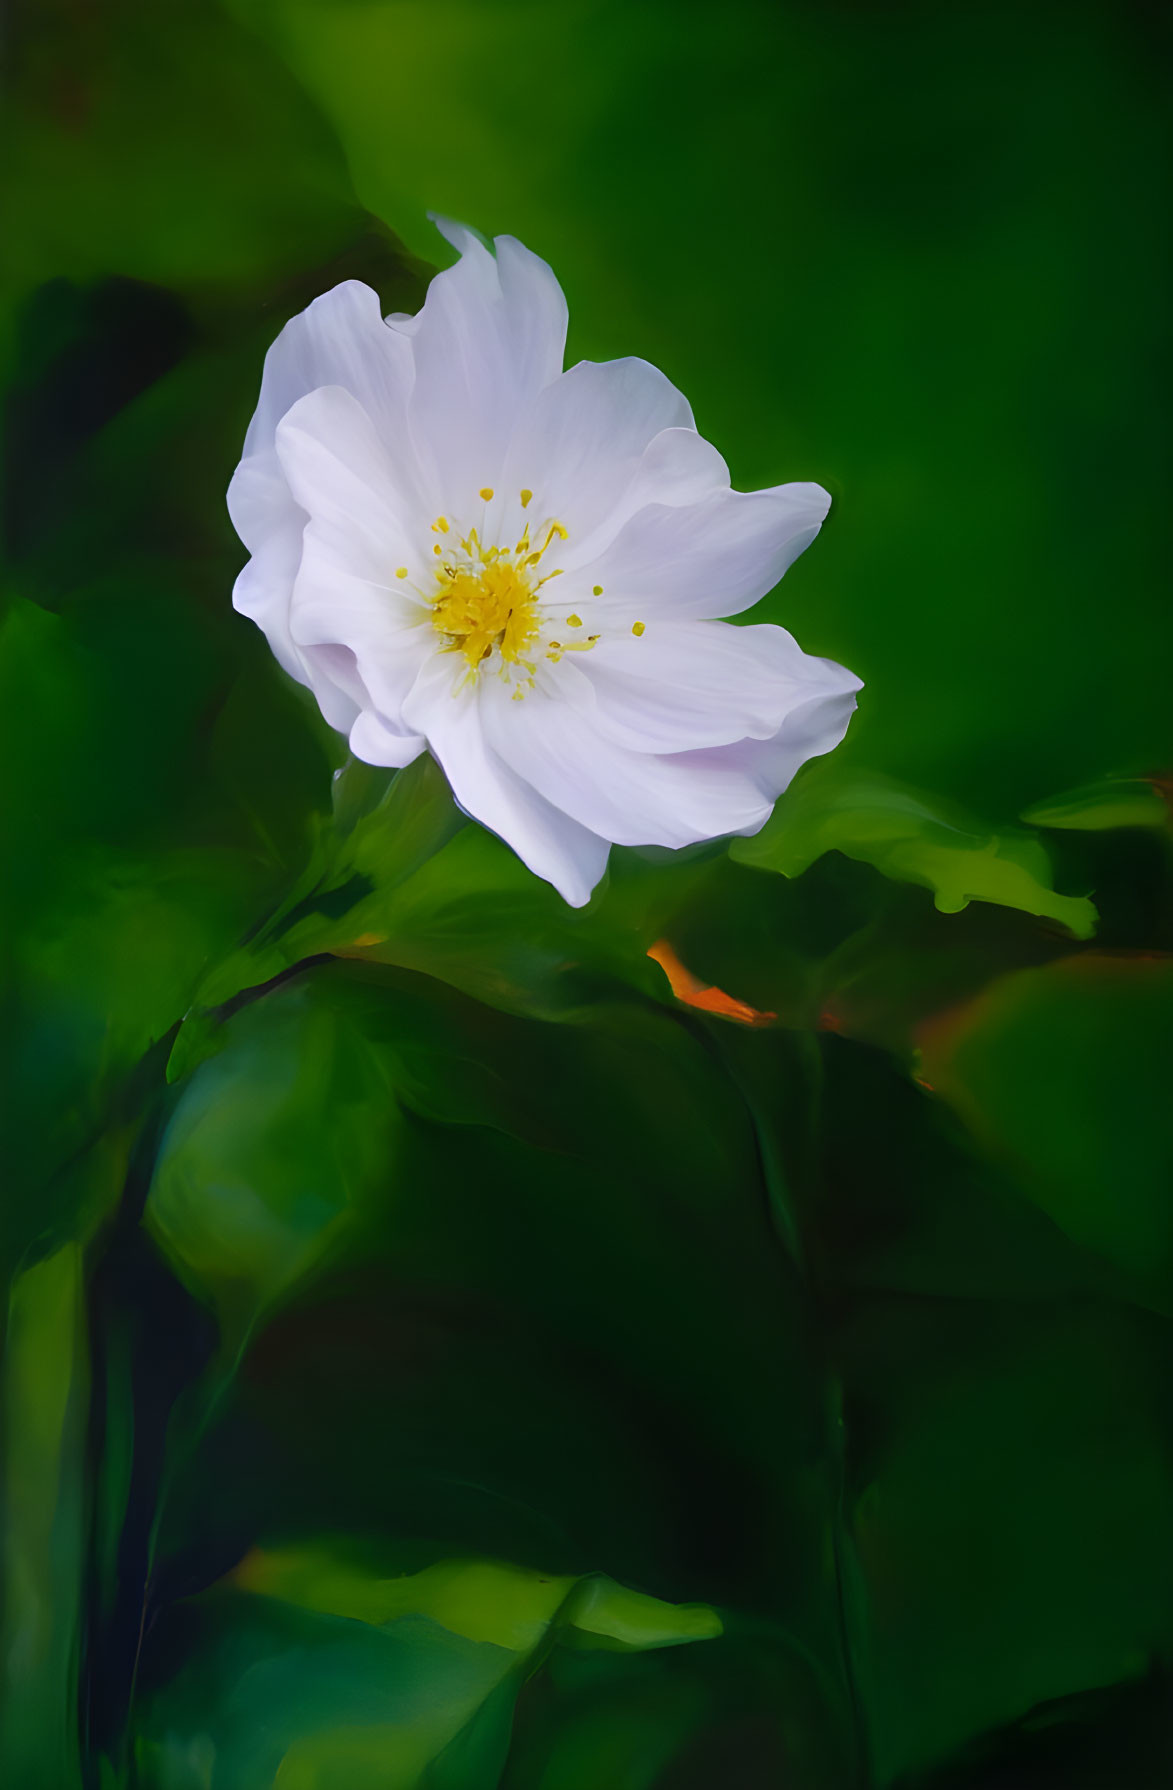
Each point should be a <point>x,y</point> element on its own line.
<point>487,597</point>
<point>479,607</point>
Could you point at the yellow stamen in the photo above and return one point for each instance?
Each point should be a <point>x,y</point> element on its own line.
<point>574,621</point>
<point>487,605</point>
<point>596,590</point>
<point>401,572</point>
<point>437,548</point>
<point>526,498</point>
<point>440,525</point>
<point>637,629</point>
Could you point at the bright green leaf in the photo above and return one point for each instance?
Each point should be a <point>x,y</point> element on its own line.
<point>1118,802</point>
<point>912,838</point>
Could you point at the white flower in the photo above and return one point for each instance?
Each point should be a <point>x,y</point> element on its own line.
<point>458,546</point>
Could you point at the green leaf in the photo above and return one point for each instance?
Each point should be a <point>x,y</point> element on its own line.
<point>1011,1517</point>
<point>603,1614</point>
<point>274,1147</point>
<point>44,1390</point>
<point>1117,802</point>
<point>483,1600</point>
<point>391,1683</point>
<point>398,877</point>
<point>469,1373</point>
<point>912,838</point>
<point>1060,1073</point>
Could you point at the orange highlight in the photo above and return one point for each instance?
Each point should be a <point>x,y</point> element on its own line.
<point>694,993</point>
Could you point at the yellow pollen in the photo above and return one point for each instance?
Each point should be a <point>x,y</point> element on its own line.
<point>437,548</point>
<point>486,492</point>
<point>487,604</point>
<point>637,629</point>
<point>440,525</point>
<point>402,572</point>
<point>574,621</point>
<point>596,590</point>
<point>526,498</point>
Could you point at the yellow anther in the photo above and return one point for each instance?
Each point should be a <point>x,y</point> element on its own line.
<point>440,525</point>
<point>526,497</point>
<point>401,572</point>
<point>574,621</point>
<point>487,607</point>
<point>596,590</point>
<point>486,492</point>
<point>437,548</point>
<point>637,629</point>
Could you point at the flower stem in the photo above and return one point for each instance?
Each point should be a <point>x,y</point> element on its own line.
<point>45,1387</point>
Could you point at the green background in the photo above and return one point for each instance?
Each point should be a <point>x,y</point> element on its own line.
<point>446,1360</point>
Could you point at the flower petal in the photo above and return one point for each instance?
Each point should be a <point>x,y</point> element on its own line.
<point>810,730</point>
<point>268,520</point>
<point>579,442</point>
<point>340,339</point>
<point>711,558</point>
<point>552,844</point>
<point>375,743</point>
<point>491,334</point>
<point>689,685</point>
<point>269,523</point>
<point>387,635</point>
<point>677,467</point>
<point>339,474</point>
<point>631,798</point>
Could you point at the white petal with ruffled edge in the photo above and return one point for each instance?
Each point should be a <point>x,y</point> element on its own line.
<point>700,684</point>
<point>710,558</point>
<point>490,336</point>
<point>549,840</point>
<point>459,546</point>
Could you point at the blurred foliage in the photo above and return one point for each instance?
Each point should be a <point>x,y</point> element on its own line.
<point>438,1657</point>
<point>419,1320</point>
